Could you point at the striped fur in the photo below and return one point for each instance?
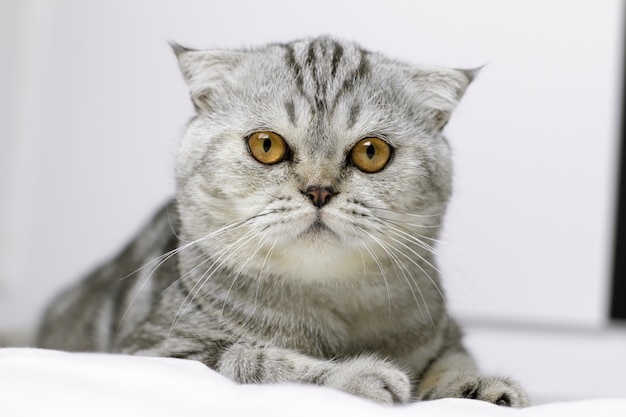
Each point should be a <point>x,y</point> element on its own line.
<point>241,272</point>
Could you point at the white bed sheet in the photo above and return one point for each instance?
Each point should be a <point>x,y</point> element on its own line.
<point>37,382</point>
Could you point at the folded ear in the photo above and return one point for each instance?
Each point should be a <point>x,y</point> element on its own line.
<point>205,72</point>
<point>439,90</point>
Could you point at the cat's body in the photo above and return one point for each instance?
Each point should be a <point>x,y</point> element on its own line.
<point>311,187</point>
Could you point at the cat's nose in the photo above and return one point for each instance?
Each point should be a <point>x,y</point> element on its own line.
<point>319,196</point>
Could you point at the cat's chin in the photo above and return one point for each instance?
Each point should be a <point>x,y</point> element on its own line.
<point>318,254</point>
<point>316,262</point>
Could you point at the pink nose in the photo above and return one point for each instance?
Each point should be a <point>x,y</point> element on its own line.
<point>319,196</point>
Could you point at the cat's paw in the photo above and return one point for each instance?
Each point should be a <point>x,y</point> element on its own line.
<point>494,389</point>
<point>367,377</point>
<point>371,378</point>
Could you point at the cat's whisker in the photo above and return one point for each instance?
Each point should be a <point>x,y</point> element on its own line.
<point>237,274</point>
<point>416,225</point>
<point>400,232</point>
<point>425,226</point>
<point>162,259</point>
<point>403,214</point>
<point>418,240</point>
<point>382,271</point>
<point>219,255</point>
<point>427,275</point>
<point>417,285</point>
<point>401,223</point>
<point>218,260</point>
<point>422,258</point>
<point>402,267</point>
<point>444,242</point>
<point>360,251</point>
<point>195,290</point>
<point>172,228</point>
<point>168,256</point>
<point>158,260</point>
<point>260,277</point>
<point>179,279</point>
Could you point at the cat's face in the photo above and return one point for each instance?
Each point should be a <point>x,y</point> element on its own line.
<point>313,159</point>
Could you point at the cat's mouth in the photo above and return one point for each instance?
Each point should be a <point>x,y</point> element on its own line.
<point>318,227</point>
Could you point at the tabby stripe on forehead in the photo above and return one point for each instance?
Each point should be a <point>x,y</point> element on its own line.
<point>360,73</point>
<point>320,86</point>
<point>310,58</point>
<point>291,112</point>
<point>311,62</point>
<point>290,58</point>
<point>355,110</point>
<point>337,54</point>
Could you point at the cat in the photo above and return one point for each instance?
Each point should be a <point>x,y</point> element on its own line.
<point>312,182</point>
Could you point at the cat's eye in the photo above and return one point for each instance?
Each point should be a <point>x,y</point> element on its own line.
<point>371,155</point>
<point>267,147</point>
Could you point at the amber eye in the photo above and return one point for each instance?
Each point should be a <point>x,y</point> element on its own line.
<point>371,155</point>
<point>267,147</point>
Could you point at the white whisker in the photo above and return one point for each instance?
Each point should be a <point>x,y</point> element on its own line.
<point>382,271</point>
<point>239,271</point>
<point>258,284</point>
<point>163,258</point>
<point>219,262</point>
<point>441,213</point>
<point>410,238</point>
<point>446,243</point>
<point>418,265</point>
<point>402,269</point>
<point>160,261</point>
<point>403,233</point>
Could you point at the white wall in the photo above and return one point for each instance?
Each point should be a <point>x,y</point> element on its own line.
<point>91,106</point>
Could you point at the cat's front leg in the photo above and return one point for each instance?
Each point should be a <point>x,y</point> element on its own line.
<point>249,363</point>
<point>365,376</point>
<point>454,375</point>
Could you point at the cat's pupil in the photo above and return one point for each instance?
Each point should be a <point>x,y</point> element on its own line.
<point>370,151</point>
<point>267,144</point>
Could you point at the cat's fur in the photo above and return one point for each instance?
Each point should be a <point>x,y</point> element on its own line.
<point>243,273</point>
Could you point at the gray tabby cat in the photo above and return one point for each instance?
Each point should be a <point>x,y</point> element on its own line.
<point>311,186</point>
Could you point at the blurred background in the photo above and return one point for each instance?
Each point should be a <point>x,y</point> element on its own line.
<point>92,106</point>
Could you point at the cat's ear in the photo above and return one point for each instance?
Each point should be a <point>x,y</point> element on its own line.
<point>205,72</point>
<point>439,90</point>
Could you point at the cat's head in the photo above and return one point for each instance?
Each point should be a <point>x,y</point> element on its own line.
<point>315,158</point>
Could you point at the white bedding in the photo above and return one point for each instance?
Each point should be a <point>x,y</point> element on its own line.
<point>36,382</point>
